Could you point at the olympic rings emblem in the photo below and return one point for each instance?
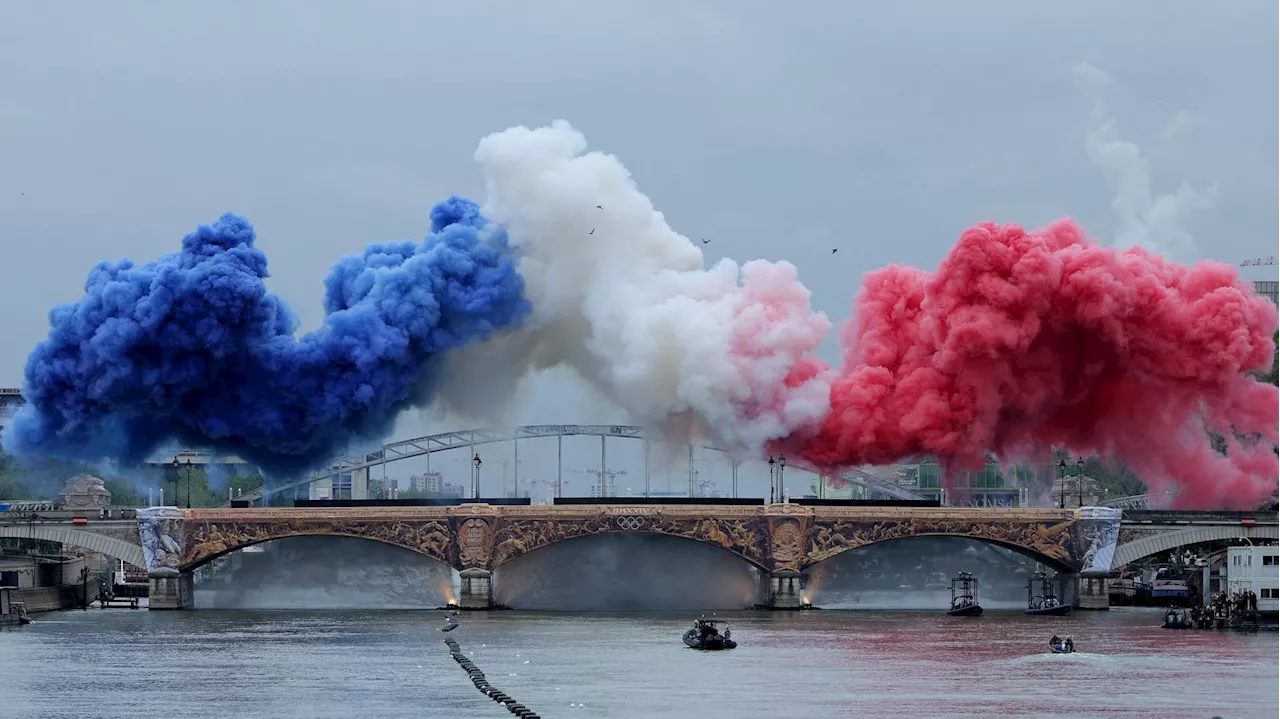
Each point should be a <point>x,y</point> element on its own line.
<point>630,523</point>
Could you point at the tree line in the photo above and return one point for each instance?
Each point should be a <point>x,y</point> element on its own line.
<point>43,480</point>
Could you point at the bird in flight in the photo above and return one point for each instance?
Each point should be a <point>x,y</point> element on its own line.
<point>834,251</point>
<point>599,207</point>
<point>705,241</point>
<point>592,232</point>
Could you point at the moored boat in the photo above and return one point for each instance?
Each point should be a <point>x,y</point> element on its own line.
<point>13,611</point>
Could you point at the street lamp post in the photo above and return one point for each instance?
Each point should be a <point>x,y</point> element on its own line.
<point>782,487</point>
<point>176,466</point>
<point>1062,482</point>
<point>1080,482</point>
<point>773,483</point>
<point>188,483</point>
<point>475,482</point>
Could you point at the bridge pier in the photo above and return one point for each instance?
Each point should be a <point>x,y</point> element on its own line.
<point>786,589</point>
<point>477,589</point>
<point>171,591</point>
<point>1091,590</point>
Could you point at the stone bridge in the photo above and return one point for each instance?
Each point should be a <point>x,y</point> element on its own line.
<point>782,540</point>
<point>115,538</point>
<point>1154,532</point>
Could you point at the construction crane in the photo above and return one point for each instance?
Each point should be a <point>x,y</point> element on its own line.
<point>1259,262</point>
<point>600,474</point>
<point>706,487</point>
<point>553,485</point>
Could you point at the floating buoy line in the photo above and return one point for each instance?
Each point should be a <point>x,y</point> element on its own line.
<point>477,678</point>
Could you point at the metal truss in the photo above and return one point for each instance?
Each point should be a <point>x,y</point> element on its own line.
<point>1137,501</point>
<point>430,444</point>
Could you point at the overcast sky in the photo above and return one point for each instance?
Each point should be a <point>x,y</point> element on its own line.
<point>779,132</point>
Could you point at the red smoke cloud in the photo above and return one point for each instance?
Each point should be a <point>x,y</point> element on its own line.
<point>1022,341</point>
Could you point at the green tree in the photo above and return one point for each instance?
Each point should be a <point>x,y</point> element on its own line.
<point>378,489</point>
<point>244,483</point>
<point>10,488</point>
<point>43,480</point>
<point>123,492</point>
<point>202,494</point>
<point>1274,376</point>
<point>1114,480</point>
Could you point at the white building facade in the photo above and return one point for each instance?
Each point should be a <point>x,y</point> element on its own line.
<point>1256,569</point>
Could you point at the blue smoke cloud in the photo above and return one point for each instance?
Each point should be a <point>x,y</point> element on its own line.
<point>192,347</point>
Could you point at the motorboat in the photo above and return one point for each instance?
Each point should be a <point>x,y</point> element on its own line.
<point>1175,618</point>
<point>1060,645</point>
<point>706,634</point>
<point>1041,599</point>
<point>964,596</point>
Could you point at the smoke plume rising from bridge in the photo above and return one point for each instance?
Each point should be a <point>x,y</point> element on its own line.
<point>1019,341</point>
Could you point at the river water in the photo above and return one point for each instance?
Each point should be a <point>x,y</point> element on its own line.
<point>369,664</point>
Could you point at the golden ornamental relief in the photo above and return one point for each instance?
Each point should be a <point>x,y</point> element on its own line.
<point>474,543</point>
<point>517,537</point>
<point>211,539</point>
<point>789,510</point>
<point>485,535</point>
<point>1052,540</point>
<point>786,541</point>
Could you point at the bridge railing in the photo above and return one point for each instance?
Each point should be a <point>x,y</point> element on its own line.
<point>1196,516</point>
<point>1137,501</point>
<point>65,515</point>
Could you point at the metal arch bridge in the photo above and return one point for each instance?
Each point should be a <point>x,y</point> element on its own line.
<point>443,442</point>
<point>1137,501</point>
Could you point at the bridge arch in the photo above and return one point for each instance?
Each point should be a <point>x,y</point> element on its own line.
<point>1056,563</point>
<point>1142,547</point>
<point>205,542</point>
<point>511,546</point>
<point>69,536</point>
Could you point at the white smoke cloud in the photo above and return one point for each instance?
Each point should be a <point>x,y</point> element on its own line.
<point>1153,222</point>
<point>624,301</point>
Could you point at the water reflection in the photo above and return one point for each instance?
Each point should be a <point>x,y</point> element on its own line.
<point>322,665</point>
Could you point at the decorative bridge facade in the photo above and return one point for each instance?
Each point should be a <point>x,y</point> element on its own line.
<point>781,540</point>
